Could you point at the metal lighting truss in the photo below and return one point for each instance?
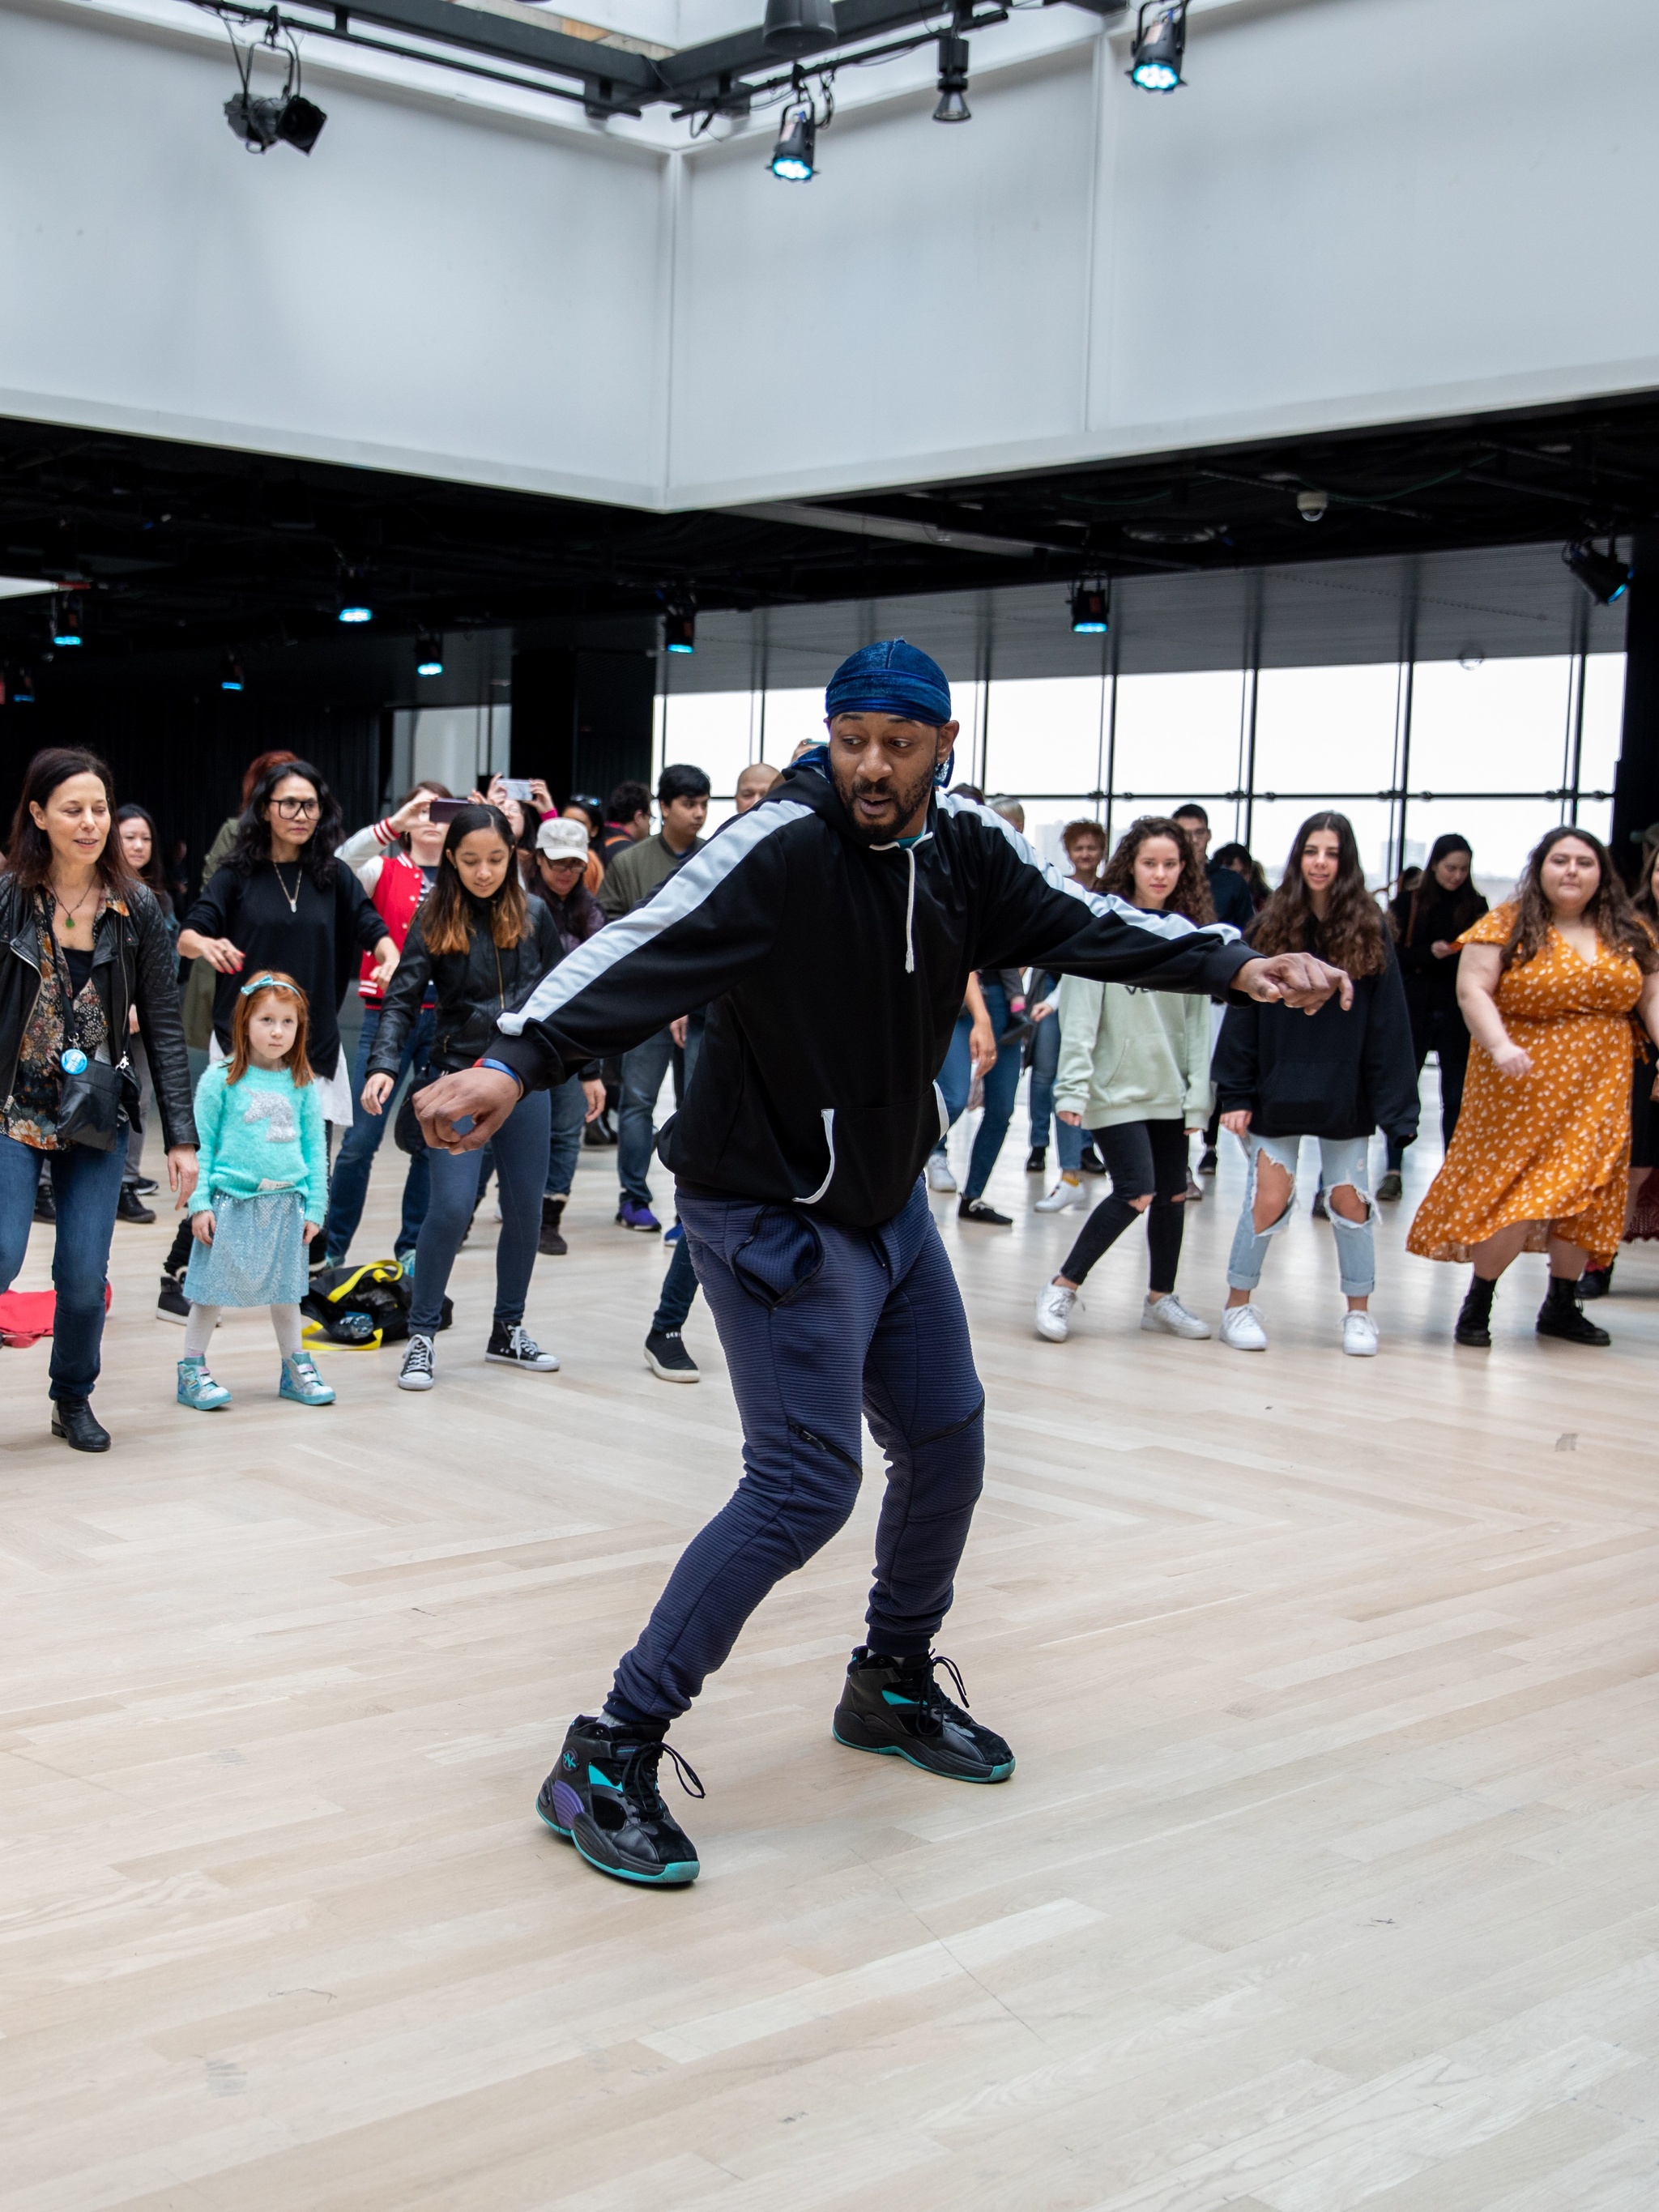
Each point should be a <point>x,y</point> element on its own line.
<point>720,76</point>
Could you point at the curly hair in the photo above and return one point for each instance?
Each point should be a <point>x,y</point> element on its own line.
<point>1191,895</point>
<point>1610,912</point>
<point>253,831</point>
<point>1351,935</point>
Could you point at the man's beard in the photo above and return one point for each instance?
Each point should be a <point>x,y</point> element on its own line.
<point>909,799</point>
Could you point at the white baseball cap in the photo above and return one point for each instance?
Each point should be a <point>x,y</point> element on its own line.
<point>560,840</point>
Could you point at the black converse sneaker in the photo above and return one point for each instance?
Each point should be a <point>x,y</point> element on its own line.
<point>667,1357</point>
<point>512,1346</point>
<point>603,1798</point>
<point>893,1706</point>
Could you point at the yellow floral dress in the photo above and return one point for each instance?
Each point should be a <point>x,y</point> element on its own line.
<point>1551,1147</point>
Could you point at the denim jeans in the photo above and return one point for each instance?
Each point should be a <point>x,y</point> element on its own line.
<point>568,1109</point>
<point>1045,1065</point>
<point>680,1288</point>
<point>520,1148</point>
<point>955,1080</point>
<point>1342,1160</point>
<point>643,1070</point>
<point>86,1185</point>
<point>348,1187</point>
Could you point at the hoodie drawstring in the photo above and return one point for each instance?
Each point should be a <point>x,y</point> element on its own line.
<point>909,852</point>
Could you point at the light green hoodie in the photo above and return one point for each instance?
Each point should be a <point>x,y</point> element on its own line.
<point>1130,1056</point>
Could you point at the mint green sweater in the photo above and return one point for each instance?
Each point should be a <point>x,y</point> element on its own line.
<point>256,1133</point>
<point>1132,1055</point>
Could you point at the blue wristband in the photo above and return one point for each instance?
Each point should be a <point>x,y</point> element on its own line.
<point>502,1068</point>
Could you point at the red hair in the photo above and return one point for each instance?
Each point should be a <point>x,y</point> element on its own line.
<point>277,985</point>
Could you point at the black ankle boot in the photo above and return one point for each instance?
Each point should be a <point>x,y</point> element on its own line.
<point>74,1420</point>
<point>603,1798</point>
<point>1473,1324</point>
<point>1562,1316</point>
<point>893,1706</point>
<point>1595,1282</point>
<point>551,1243</point>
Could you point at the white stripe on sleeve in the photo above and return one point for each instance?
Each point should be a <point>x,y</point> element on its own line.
<point>1156,924</point>
<point>680,896</point>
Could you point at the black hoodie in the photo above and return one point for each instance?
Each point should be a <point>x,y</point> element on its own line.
<point>834,973</point>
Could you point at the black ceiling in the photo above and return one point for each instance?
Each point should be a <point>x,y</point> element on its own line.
<point>182,547</point>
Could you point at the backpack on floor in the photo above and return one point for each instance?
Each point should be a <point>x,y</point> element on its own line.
<point>366,1305</point>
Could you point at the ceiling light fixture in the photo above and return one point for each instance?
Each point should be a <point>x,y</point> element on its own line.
<point>351,612</point>
<point>952,79</point>
<point>1092,609</point>
<point>230,678</point>
<point>1159,45</point>
<point>65,627</point>
<point>794,156</point>
<point>1603,575</point>
<point>679,625</point>
<point>429,656</point>
<point>264,120</point>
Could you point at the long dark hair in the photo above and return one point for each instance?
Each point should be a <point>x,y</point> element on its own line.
<point>152,876</point>
<point>1191,895</point>
<point>449,913</point>
<point>28,849</point>
<point>1466,905</point>
<point>1615,921</point>
<point>1351,935</point>
<point>252,844</point>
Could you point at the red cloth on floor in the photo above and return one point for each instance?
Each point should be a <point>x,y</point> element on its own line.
<point>26,1316</point>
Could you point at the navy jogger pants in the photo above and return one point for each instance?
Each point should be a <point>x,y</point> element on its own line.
<point>819,1323</point>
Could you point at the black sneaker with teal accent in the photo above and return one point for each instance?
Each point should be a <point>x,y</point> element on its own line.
<point>603,1798</point>
<point>893,1706</point>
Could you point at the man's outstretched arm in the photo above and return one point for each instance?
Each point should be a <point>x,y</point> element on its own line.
<point>1032,916</point>
<point>695,936</point>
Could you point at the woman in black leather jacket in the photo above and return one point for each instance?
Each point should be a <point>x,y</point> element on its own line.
<point>82,945</point>
<point>481,944</point>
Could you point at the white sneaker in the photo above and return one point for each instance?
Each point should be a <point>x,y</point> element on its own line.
<point>1243,1328</point>
<point>939,1177</point>
<point>1068,1191</point>
<point>1359,1336</point>
<point>415,1373</point>
<point>1169,1315</point>
<point>1053,1303</point>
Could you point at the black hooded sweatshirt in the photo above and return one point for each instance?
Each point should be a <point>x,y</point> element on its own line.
<point>834,974</point>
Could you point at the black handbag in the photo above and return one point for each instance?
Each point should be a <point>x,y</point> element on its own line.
<point>406,1132</point>
<point>92,1099</point>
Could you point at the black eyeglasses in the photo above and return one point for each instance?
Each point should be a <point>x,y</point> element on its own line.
<point>298,810</point>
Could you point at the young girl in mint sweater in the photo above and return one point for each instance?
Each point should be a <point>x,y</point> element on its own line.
<point>263,1189</point>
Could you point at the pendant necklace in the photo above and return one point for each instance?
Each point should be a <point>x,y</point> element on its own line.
<point>69,912</point>
<point>293,897</point>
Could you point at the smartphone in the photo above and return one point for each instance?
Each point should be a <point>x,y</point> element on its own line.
<point>445,810</point>
<point>517,786</point>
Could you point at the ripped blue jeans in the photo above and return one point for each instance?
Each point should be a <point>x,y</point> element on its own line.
<point>1342,1160</point>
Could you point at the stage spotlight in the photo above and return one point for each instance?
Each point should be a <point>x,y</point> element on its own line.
<point>791,157</point>
<point>23,688</point>
<point>429,656</point>
<point>952,80</point>
<point>679,626</point>
<point>1160,44</point>
<point>798,27</point>
<point>301,123</point>
<point>1603,575</point>
<point>230,676</point>
<point>352,612</point>
<point>65,623</point>
<point>1092,609</point>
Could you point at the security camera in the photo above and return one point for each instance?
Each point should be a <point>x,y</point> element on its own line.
<point>1311,504</point>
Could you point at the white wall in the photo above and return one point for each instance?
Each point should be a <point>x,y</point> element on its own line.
<point>1356,210</point>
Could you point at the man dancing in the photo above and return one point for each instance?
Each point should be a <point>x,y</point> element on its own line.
<point>832,929</point>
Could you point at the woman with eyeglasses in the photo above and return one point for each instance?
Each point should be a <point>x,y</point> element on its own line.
<point>283,901</point>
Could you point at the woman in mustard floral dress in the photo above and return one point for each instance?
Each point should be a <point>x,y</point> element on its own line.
<point>1549,984</point>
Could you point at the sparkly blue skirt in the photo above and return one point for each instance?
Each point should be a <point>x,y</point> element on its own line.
<point>257,1255</point>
